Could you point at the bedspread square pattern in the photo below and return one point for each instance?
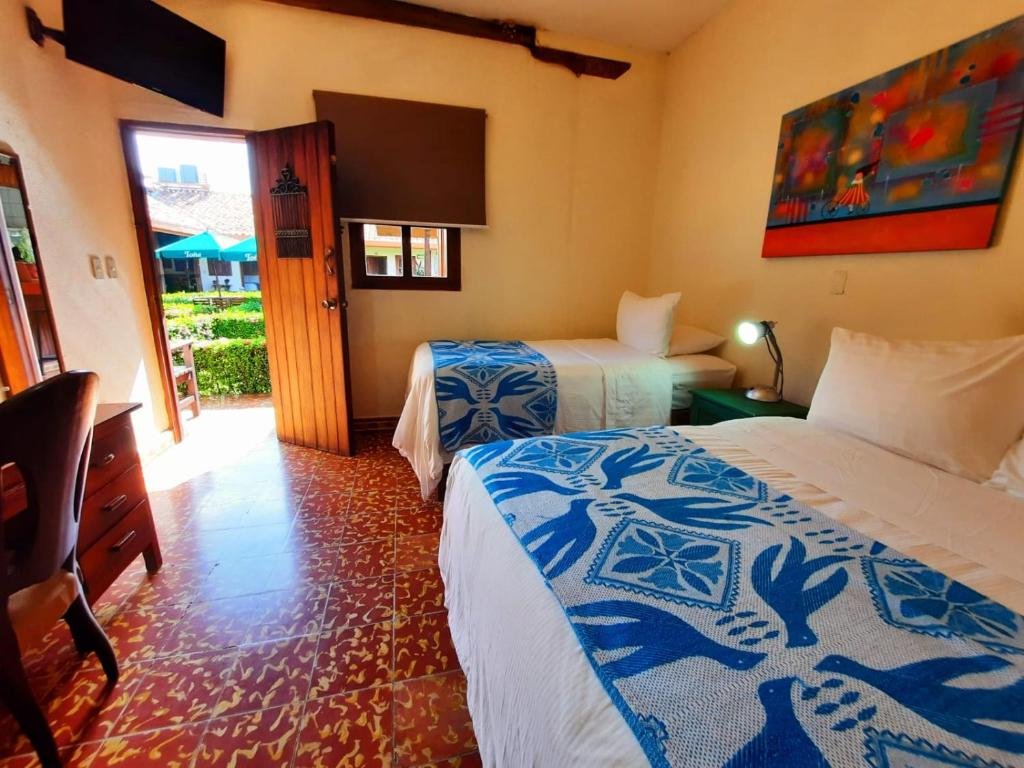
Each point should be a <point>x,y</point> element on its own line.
<point>734,626</point>
<point>492,390</point>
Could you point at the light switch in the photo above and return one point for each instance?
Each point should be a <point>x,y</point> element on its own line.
<point>838,282</point>
<point>96,265</point>
<point>111,266</point>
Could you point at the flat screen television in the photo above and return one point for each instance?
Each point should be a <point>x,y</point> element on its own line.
<point>144,43</point>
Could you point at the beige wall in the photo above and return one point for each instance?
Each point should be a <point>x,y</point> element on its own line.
<point>571,164</point>
<point>726,91</point>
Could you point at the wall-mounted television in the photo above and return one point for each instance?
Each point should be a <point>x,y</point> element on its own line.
<point>144,43</point>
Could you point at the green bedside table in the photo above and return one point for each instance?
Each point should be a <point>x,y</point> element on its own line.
<point>711,406</point>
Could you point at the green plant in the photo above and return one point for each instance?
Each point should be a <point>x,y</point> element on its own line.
<point>238,325</point>
<point>232,367</point>
<point>195,327</point>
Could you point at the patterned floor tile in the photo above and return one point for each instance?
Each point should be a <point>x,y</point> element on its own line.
<point>172,585</point>
<point>423,646</point>
<point>361,602</point>
<point>269,675</point>
<point>82,708</point>
<point>166,748</point>
<point>414,553</point>
<point>141,634</point>
<point>366,559</point>
<point>298,621</point>
<point>380,499</point>
<point>419,592</point>
<point>175,691</point>
<point>431,720</point>
<point>347,731</point>
<point>264,739</point>
<point>369,525</point>
<point>418,522</point>
<point>354,658</point>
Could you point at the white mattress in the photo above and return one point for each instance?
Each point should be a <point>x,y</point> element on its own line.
<point>698,372</point>
<point>601,384</point>
<point>533,696</point>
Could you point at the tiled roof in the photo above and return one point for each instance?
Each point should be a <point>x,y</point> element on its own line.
<point>193,209</point>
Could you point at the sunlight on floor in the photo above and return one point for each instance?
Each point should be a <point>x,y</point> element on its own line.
<point>224,434</point>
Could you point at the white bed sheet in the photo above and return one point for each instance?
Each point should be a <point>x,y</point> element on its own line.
<point>535,700</point>
<point>602,384</point>
<point>698,372</point>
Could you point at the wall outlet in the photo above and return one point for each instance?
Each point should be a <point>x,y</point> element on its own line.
<point>96,265</point>
<point>838,287</point>
<point>111,266</point>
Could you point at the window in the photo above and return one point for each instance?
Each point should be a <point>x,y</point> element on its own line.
<point>405,257</point>
<point>218,268</point>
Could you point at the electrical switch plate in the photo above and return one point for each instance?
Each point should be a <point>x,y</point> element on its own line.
<point>838,282</point>
<point>96,265</point>
<point>111,266</point>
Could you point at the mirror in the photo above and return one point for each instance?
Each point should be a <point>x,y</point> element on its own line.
<point>28,308</point>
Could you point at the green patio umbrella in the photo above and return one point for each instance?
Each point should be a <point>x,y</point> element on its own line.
<point>243,251</point>
<point>201,246</point>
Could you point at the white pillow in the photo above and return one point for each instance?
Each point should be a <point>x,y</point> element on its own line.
<point>646,324</point>
<point>1009,476</point>
<point>690,340</point>
<point>958,406</point>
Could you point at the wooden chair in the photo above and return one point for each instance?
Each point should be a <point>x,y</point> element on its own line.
<point>46,431</point>
<point>185,374</point>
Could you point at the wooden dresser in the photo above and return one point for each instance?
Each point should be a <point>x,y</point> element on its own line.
<point>117,522</point>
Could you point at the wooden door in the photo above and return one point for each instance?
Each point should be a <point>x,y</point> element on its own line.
<point>301,280</point>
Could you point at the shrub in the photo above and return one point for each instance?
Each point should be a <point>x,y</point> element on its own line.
<point>195,327</point>
<point>238,325</point>
<point>232,367</point>
<point>251,305</point>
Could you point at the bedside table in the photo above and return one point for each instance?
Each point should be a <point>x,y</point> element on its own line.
<point>711,406</point>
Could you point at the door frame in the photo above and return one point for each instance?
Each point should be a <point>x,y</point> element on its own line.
<point>145,239</point>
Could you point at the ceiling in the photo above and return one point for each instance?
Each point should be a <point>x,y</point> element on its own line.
<point>652,25</point>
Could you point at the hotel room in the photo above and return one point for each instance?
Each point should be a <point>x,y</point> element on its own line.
<point>520,383</point>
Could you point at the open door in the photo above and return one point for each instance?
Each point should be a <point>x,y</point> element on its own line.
<point>303,293</point>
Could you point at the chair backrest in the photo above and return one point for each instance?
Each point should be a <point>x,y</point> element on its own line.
<point>46,431</point>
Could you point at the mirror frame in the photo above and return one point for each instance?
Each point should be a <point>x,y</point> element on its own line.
<point>17,372</point>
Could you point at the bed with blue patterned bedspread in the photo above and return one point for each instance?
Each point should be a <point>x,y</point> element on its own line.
<point>492,390</point>
<point>732,625</point>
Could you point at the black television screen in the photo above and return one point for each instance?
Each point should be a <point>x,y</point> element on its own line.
<point>144,43</point>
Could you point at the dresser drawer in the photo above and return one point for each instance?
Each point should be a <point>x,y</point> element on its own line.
<point>113,451</point>
<point>109,504</point>
<point>105,560</point>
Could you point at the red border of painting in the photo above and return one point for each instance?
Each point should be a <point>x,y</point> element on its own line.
<point>964,228</point>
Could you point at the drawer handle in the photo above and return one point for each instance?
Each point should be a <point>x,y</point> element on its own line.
<point>106,460</point>
<point>123,542</point>
<point>114,503</point>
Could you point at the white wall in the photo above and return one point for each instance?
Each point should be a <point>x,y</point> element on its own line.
<point>726,91</point>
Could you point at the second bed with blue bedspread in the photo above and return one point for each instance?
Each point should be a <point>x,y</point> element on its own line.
<point>732,625</point>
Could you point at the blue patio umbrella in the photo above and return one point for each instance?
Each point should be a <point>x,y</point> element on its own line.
<point>243,251</point>
<point>201,246</point>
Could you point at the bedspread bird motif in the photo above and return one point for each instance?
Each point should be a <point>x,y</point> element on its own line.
<point>489,391</point>
<point>733,626</point>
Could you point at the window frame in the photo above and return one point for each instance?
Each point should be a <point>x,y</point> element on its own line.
<point>407,281</point>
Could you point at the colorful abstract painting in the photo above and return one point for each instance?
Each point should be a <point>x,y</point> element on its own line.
<point>916,159</point>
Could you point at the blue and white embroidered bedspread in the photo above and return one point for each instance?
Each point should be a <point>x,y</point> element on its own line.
<point>733,626</point>
<point>492,390</point>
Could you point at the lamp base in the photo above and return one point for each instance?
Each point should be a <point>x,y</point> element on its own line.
<point>764,394</point>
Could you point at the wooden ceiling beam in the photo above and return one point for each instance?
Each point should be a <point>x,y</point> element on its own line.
<point>414,15</point>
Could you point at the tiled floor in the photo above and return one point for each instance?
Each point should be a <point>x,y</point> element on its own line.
<point>298,620</point>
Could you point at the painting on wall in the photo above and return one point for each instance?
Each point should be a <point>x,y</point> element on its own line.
<point>916,159</point>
